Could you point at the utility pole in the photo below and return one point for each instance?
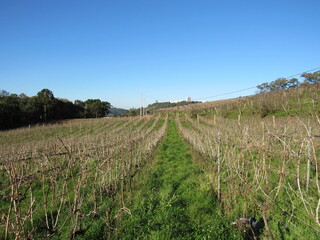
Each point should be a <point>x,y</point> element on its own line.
<point>141,106</point>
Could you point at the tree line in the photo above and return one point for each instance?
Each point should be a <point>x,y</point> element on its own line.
<point>152,108</point>
<point>19,110</point>
<point>283,83</point>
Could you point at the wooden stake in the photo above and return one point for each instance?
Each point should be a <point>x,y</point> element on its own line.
<point>274,121</point>
<point>219,165</point>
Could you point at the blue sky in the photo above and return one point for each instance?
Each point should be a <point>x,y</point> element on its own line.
<point>167,50</point>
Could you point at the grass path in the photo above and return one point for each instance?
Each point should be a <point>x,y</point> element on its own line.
<point>171,200</point>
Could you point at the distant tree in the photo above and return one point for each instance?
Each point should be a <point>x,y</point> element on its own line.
<point>96,108</point>
<point>3,116</point>
<point>4,93</point>
<point>64,109</point>
<point>46,99</point>
<point>278,84</point>
<point>293,82</point>
<point>31,110</point>
<point>80,105</point>
<point>311,77</point>
<point>132,112</point>
<point>9,111</point>
<point>264,87</point>
<point>18,110</point>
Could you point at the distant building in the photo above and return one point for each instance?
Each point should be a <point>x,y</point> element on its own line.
<point>175,101</point>
<point>188,99</point>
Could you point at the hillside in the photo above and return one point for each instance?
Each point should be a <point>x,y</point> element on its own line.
<point>168,105</point>
<point>136,177</point>
<point>303,100</point>
<point>199,106</point>
<point>117,111</point>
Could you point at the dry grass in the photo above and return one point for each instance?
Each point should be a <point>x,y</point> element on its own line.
<point>62,185</point>
<point>263,167</point>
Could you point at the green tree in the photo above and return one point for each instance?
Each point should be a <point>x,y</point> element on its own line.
<point>64,109</point>
<point>279,84</point>
<point>80,105</point>
<point>46,99</point>
<point>264,87</point>
<point>96,108</point>
<point>18,110</point>
<point>4,93</point>
<point>132,112</point>
<point>10,113</point>
<point>311,77</point>
<point>293,82</point>
<point>31,110</point>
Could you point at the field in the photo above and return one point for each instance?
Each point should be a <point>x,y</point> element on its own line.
<point>263,168</point>
<point>300,101</point>
<point>176,175</point>
<point>63,181</point>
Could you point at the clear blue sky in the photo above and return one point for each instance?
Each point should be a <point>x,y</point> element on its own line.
<point>166,49</point>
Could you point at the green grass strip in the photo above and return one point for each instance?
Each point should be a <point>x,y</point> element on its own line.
<point>171,200</point>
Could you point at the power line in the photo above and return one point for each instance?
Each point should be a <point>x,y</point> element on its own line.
<point>303,72</point>
<point>159,99</point>
<point>228,93</point>
<point>223,94</point>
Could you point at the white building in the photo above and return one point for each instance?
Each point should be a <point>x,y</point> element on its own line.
<point>175,101</point>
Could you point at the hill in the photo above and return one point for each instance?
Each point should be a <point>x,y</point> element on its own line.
<point>164,105</point>
<point>255,178</point>
<point>303,100</point>
<point>116,111</point>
